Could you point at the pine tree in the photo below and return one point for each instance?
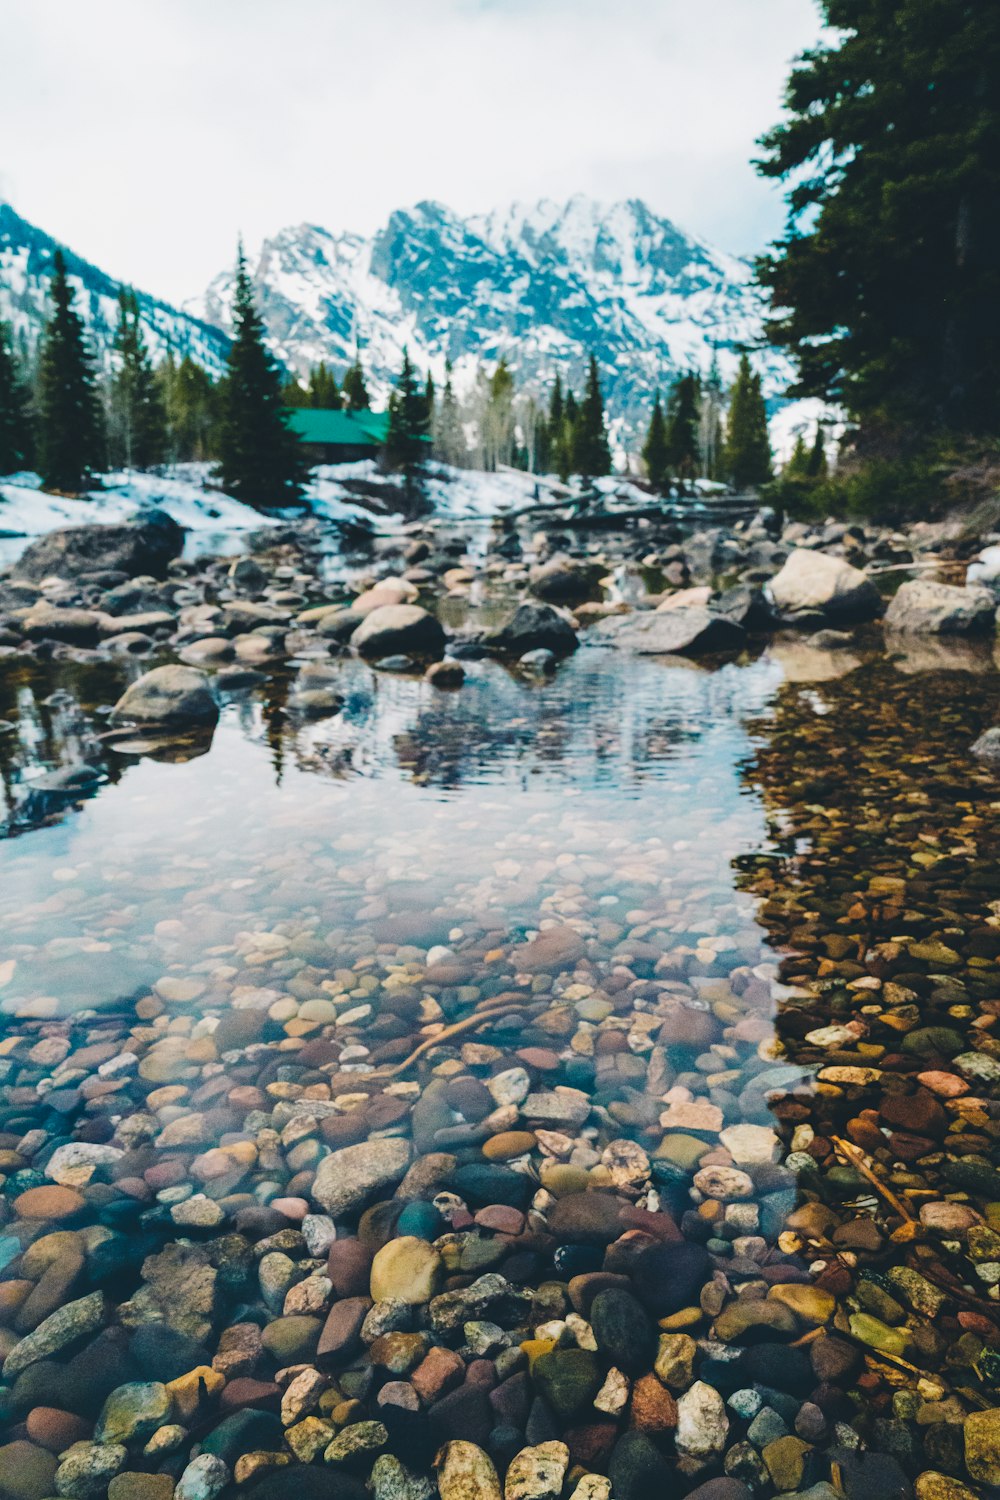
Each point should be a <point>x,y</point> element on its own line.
<point>260,459</point>
<point>710,435</point>
<point>430,397</point>
<point>886,286</point>
<point>353,389</point>
<point>683,456</point>
<point>404,443</point>
<point>816,461</point>
<point>591,452</point>
<point>324,392</point>
<point>498,418</point>
<point>15,423</point>
<point>191,402</point>
<point>797,465</point>
<point>449,439</point>
<point>564,438</point>
<point>137,434</point>
<point>70,429</point>
<point>654,451</point>
<point>748,448</point>
<point>295,395</point>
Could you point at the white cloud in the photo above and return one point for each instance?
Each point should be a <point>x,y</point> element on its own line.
<point>147,134</point>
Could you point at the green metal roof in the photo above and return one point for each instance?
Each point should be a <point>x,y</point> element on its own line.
<point>347,429</point>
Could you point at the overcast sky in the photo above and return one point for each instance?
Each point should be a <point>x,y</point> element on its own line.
<point>147,133</point>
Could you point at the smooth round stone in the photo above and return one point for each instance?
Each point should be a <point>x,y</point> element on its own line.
<point>292,1208</point>
<point>420,1220</point>
<point>407,1270</point>
<point>49,1203</point>
<point>134,1411</point>
<point>27,1472</point>
<point>622,1330</point>
<point>508,1144</point>
<point>568,1379</point>
<point>135,1486</point>
<point>726,1184</point>
<point>55,1429</point>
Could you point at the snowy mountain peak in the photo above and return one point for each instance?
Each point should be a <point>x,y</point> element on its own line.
<point>540,284</point>
<point>26,256</point>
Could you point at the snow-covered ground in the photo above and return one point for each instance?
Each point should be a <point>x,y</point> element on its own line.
<point>183,492</point>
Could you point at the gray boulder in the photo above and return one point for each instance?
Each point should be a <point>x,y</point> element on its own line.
<point>563,581</point>
<point>926,607</point>
<point>689,631</point>
<point>145,546</point>
<point>533,627</point>
<point>814,581</point>
<point>75,627</point>
<point>399,630</point>
<point>169,696</point>
<point>987,748</point>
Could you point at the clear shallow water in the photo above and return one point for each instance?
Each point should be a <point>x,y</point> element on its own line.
<point>616,787</point>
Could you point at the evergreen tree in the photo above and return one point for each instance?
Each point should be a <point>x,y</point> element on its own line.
<point>683,455</point>
<point>591,453</point>
<point>797,465</point>
<point>323,389</point>
<point>260,459</point>
<point>816,461</point>
<point>353,389</point>
<point>191,402</point>
<point>430,397</point>
<point>710,435</point>
<point>70,429</point>
<point>137,434</point>
<point>886,284</point>
<point>449,439</point>
<point>748,448</point>
<point>404,443</point>
<point>15,423</point>
<point>563,438</point>
<point>655,452</point>
<point>295,395</point>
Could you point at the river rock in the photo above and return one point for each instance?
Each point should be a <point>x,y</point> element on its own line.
<point>346,1179</point>
<point>465,1472</point>
<point>690,630</point>
<point>407,1269</point>
<point>537,1473</point>
<point>533,627</point>
<point>702,1424</point>
<point>63,1327</point>
<point>145,546</point>
<point>815,581</point>
<point>171,695</point>
<point>398,630</point>
<point>982,1446</point>
<point>133,1411</point>
<point>924,606</point>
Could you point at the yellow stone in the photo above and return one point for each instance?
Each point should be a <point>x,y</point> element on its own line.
<point>535,1348</point>
<point>190,1390</point>
<point>809,1303</point>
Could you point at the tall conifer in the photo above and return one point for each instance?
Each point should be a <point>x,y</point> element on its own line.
<point>70,426</point>
<point>15,423</point>
<point>748,448</point>
<point>136,420</point>
<point>655,452</point>
<point>591,452</point>
<point>260,459</point>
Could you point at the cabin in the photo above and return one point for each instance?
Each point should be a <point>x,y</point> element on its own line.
<point>332,436</point>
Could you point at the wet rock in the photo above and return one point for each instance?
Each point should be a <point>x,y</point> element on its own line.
<point>533,627</point>
<point>398,629</point>
<point>702,1424</point>
<point>568,1379</point>
<point>133,1411</point>
<point>27,1472</point>
<point>924,606</point>
<point>637,1470</point>
<point>623,1330</point>
<point>408,1269</point>
<point>982,1446</point>
<point>465,1472</point>
<point>816,581</point>
<point>537,1473</point>
<point>145,546</point>
<point>691,631</point>
<point>63,1327</point>
<point>86,1470</point>
<point>167,696</point>
<point>346,1179</point>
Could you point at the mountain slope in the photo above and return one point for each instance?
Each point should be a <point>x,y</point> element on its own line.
<point>540,285</point>
<point>26,269</point>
